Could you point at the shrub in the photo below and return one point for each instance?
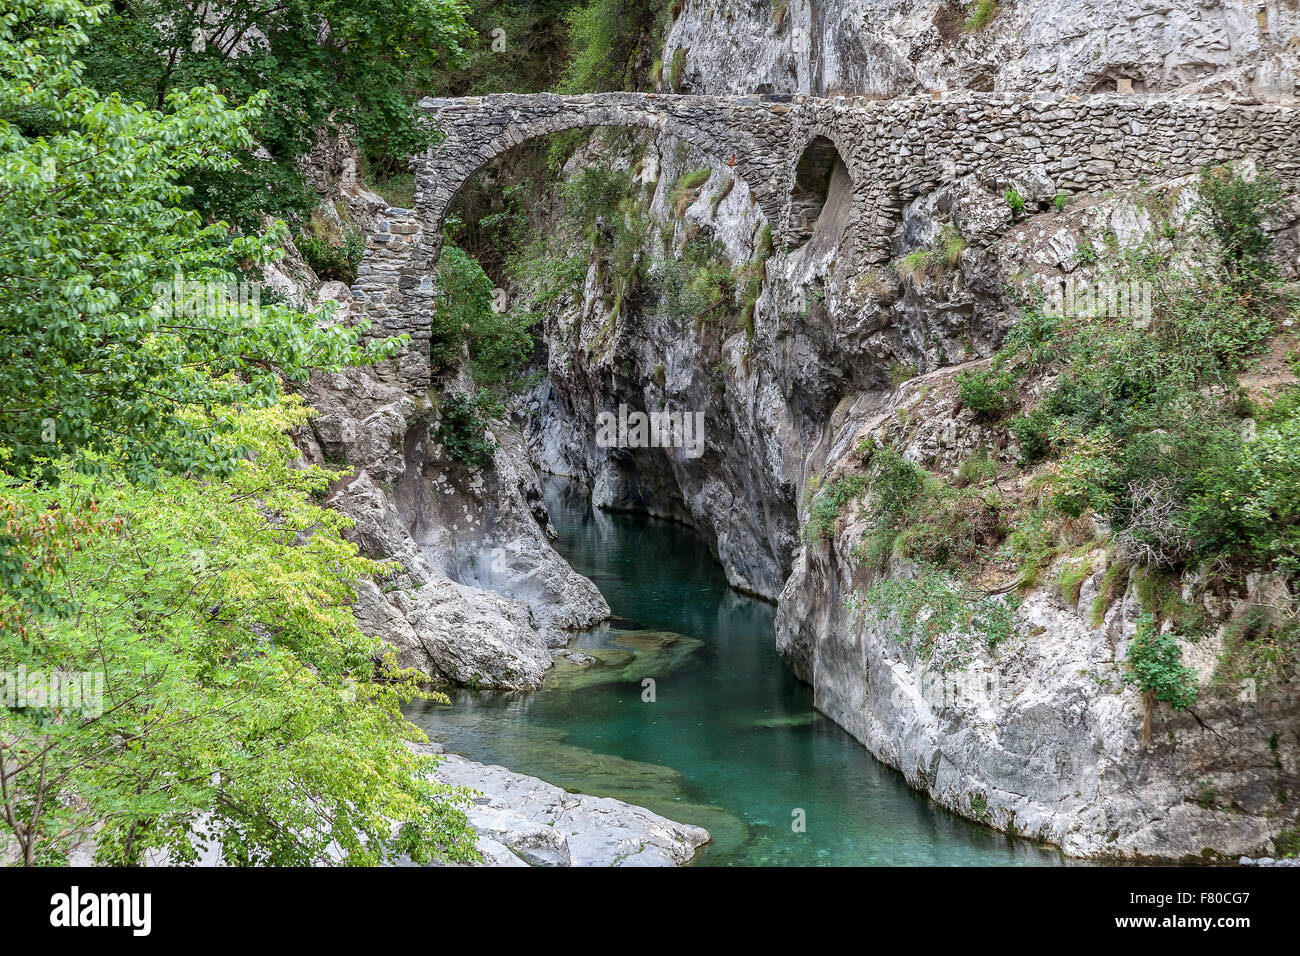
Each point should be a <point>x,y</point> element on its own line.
<point>952,529</point>
<point>829,503</point>
<point>985,392</point>
<point>333,260</point>
<point>1245,499</point>
<point>937,616</point>
<point>1035,336</point>
<point>697,283</point>
<point>921,518</point>
<point>1015,200</point>
<point>1155,661</point>
<point>1033,434</point>
<point>1234,209</point>
<point>1085,479</point>
<point>1154,527</point>
<point>463,429</point>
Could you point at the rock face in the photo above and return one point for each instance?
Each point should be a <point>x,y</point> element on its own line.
<point>474,593</point>
<point>1043,737</point>
<point>523,821</point>
<point>896,47</point>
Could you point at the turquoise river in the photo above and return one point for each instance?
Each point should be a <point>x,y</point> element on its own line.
<point>731,740</point>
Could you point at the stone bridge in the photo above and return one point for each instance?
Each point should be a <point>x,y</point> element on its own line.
<point>784,148</point>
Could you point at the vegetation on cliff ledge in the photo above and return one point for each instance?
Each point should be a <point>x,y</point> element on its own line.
<point>1173,442</point>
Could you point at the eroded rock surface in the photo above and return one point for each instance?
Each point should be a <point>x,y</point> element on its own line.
<point>474,593</point>
<point>1045,737</point>
<point>523,821</point>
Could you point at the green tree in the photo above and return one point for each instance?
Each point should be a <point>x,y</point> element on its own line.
<point>106,346</point>
<point>318,63</point>
<point>242,708</point>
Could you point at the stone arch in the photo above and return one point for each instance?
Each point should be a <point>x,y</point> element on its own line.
<point>811,184</point>
<point>450,166</point>
<point>396,282</point>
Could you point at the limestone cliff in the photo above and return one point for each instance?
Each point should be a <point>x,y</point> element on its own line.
<point>474,594</point>
<point>896,47</point>
<point>1044,738</point>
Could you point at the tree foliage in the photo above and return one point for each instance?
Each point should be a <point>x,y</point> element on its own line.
<point>315,64</point>
<point>158,530</point>
<point>242,707</point>
<point>106,346</point>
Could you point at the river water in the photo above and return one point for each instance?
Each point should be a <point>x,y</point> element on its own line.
<point>730,741</point>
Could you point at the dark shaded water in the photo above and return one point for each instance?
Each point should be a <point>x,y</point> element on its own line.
<point>731,741</point>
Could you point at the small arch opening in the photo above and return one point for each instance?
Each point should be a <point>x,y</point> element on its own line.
<point>813,175</point>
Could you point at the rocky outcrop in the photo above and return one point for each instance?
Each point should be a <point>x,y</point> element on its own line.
<point>888,48</point>
<point>473,593</point>
<point>1043,735</point>
<point>523,821</point>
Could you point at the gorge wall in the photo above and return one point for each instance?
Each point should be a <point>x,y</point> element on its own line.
<point>813,147</point>
<point>1045,738</point>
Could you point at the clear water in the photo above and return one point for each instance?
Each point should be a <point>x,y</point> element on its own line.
<point>731,741</point>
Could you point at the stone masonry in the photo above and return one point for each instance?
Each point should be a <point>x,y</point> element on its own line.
<point>894,150</point>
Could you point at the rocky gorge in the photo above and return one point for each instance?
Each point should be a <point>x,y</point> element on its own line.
<point>819,354</point>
